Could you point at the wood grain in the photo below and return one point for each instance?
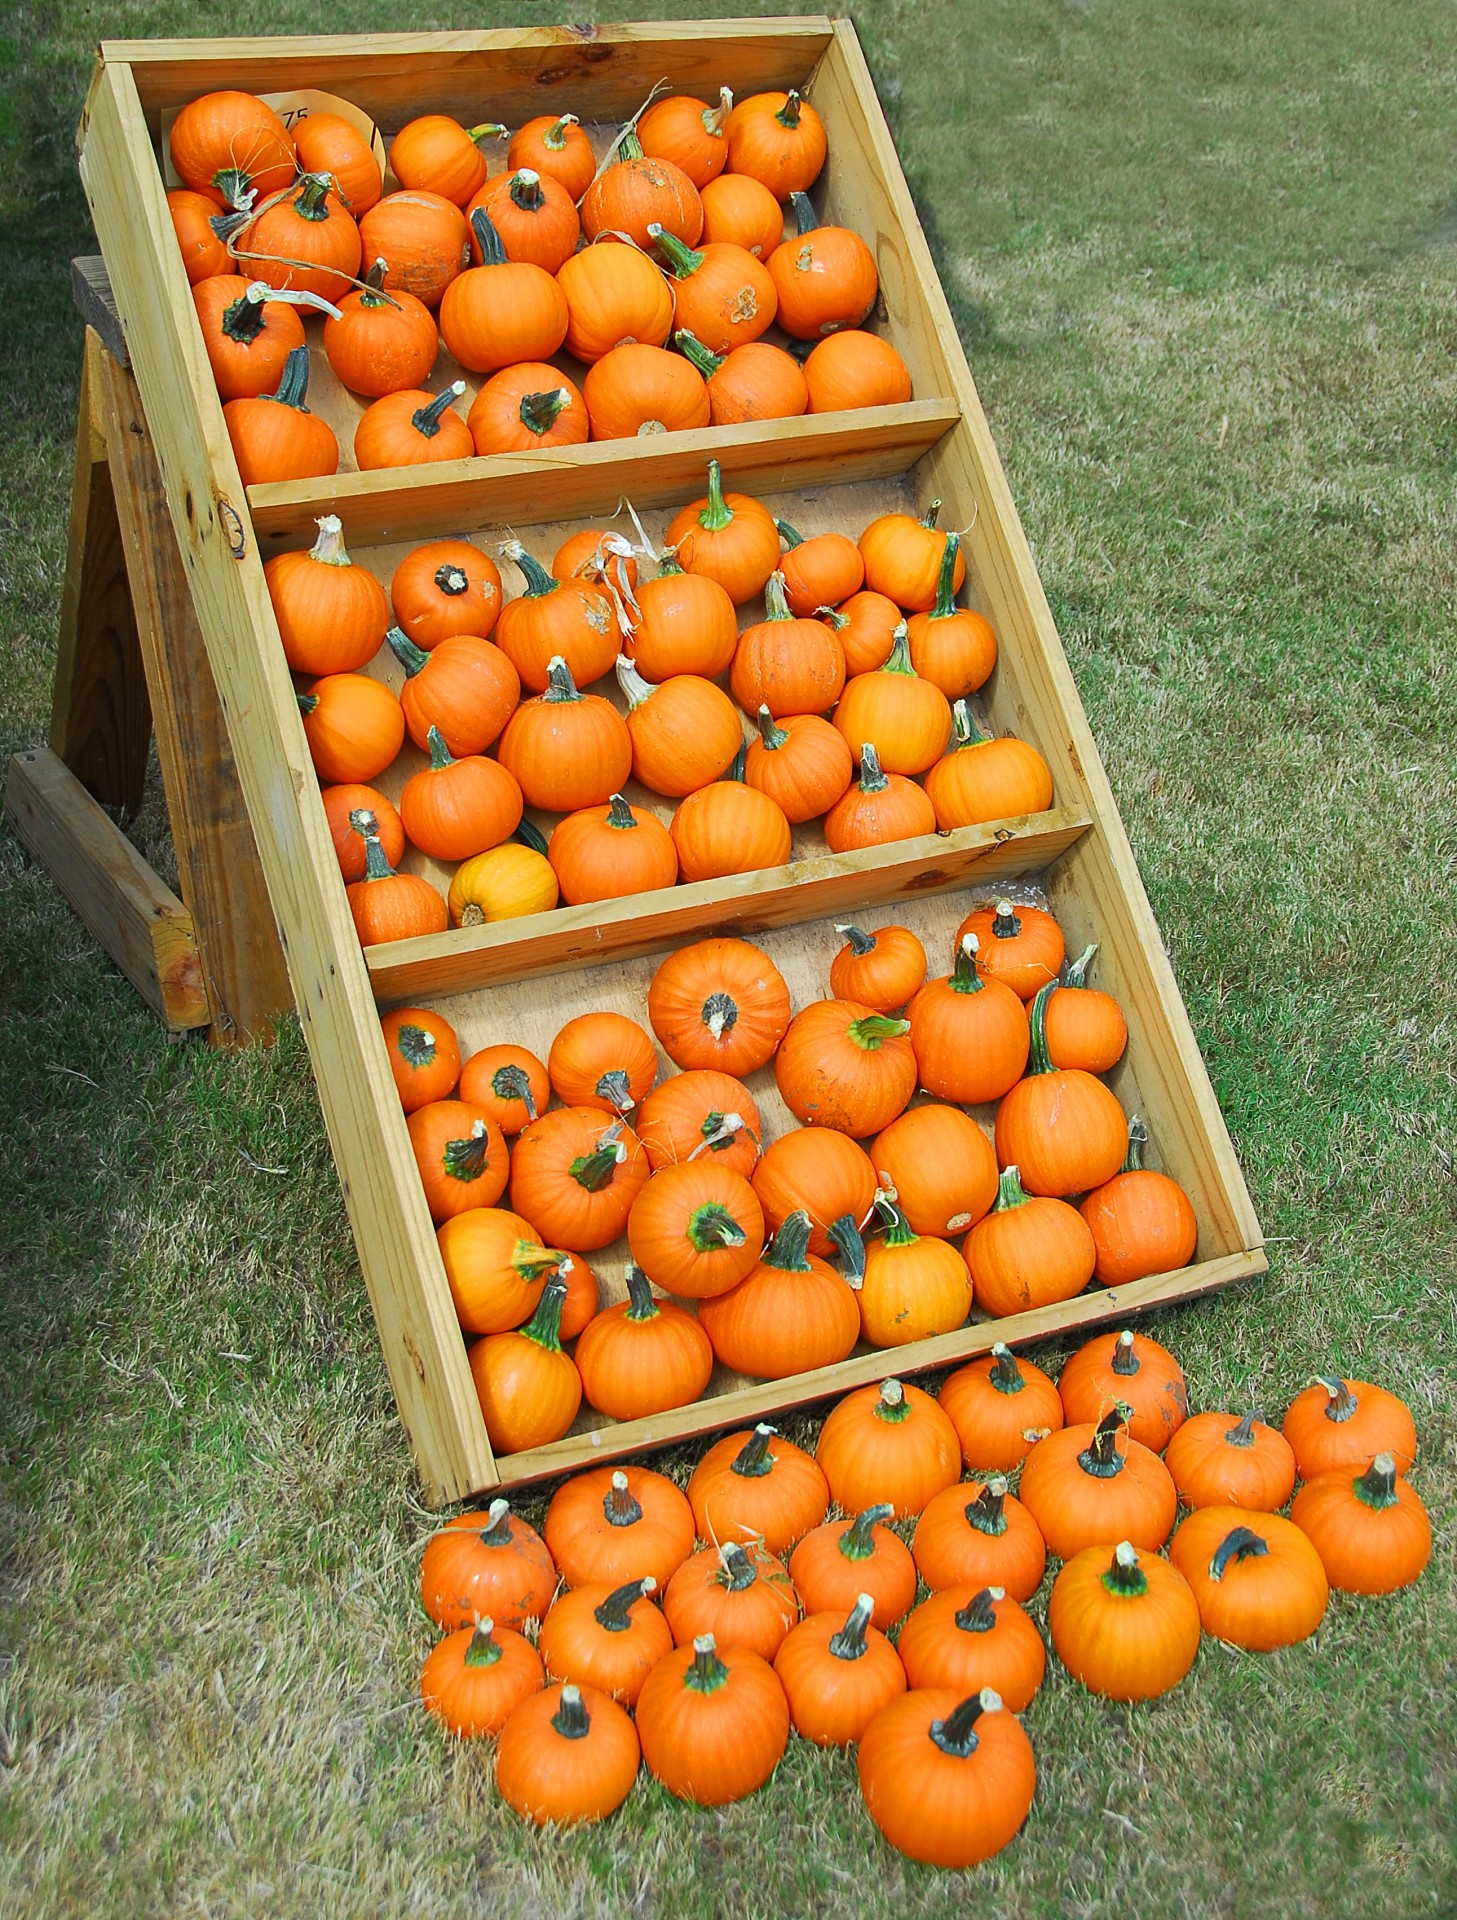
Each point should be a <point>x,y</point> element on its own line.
<point>91,291</point>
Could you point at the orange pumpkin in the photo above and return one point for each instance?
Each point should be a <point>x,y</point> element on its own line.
<point>637,389</point>
<point>696,1229</point>
<point>685,623</point>
<point>941,1167</point>
<point>510,1084</point>
<point>248,330</point>
<point>527,407</point>
<point>904,557</point>
<point>555,145</point>
<point>722,295</point>
<point>982,779</point>
<point>446,587</point>
<point>274,435</point>
<point>913,1287</point>
<point>741,210</point>
<point>614,296</point>
<point>978,1535</point>
<point>727,828</point>
<point>601,1060</point>
<point>688,132</point>
<point>832,1566</point>
<point>1216,1460</point>
<point>845,1066</point>
<point>386,905</point>
<point>633,193</point>
<point>382,342</point>
<point>825,278</point>
<point>341,803</point>
<point>685,732</point>
<point>791,1313</point>
<point>503,311</point>
<point>204,252</point>
<point>818,572</point>
<point>495,1265</point>
<point>953,647</point>
<point>466,690</point>
<point>354,726</point>
<point>1085,1027</point>
<point>753,382</point>
<point>742,1595</point>
<point>1021,945</point>
<point>605,853</point>
<point>801,763</point>
<point>826,1176</point>
<point>885,969</point>
<point>1001,1407</point>
<point>528,1388</point>
<point>779,140</point>
<point>700,1114</point>
<point>787,665</point>
<point>855,369</point>
<point>867,626</point>
<point>719,1003</point>
<point>643,1356</point>
<point>907,717</point>
<point>1141,1221</point>
<point>965,1638</point>
<point>307,242</point>
<point>970,1035</point>
<point>1084,1489</point>
<point>232,148</point>
<point>576,1177</point>
<point>567,620</point>
<point>412,429</point>
<point>327,143</point>
<point>1064,1129</point>
<point>534,216</point>
<point>893,1439</point>
<point>757,1486</point>
<point>455,808</point>
<point>1131,1369</point>
<point>423,240</point>
<point>730,537</point>
<point>1027,1252</point>
<point>568,750</point>
<point>424,1055</point>
<point>435,154</point>
<point>461,1156</point>
<point>879,807</point>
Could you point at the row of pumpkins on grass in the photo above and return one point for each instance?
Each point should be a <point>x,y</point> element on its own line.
<point>698,1190</point>
<point>707,1685</point>
<point>688,208</point>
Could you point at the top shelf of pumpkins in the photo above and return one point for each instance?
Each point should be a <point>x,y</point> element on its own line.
<point>688,204</point>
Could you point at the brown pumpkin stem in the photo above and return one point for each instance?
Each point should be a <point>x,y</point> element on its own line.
<point>987,1512</point>
<point>1342,1402</point>
<point>1010,1191</point>
<point>329,549</point>
<point>892,1405</point>
<point>293,382</point>
<point>595,1170</point>
<point>620,1508</point>
<point>1039,1060</point>
<point>440,755</point>
<point>849,1642</point>
<point>754,1460</point>
<point>706,361</point>
<point>561,688</point>
<point>791,536</point>
<point>539,412</point>
<point>1006,1376</point>
<point>857,1542</point>
<point>1125,1360</point>
<point>1240,1543</point>
<point>615,1613</point>
<point>956,1734</point>
<point>1101,1457</point>
<point>465,1160</point>
<point>805,217</point>
<point>871,1033</point>
<point>1376,1487</point>
<point>1137,1141</point>
<point>555,137</point>
<point>707,1673</point>
<point>979,1615</point>
<point>620,814</point>
<point>719,1014</point>
<point>412,658</point>
<point>770,732</point>
<point>788,1251</point>
<point>416,1045</point>
<point>872,778</point>
<point>1076,972</point>
<point>570,1719</point>
<point>1125,1576</point>
<point>712,1226</point>
<point>736,1570</point>
<point>493,253</point>
<point>716,513</point>
<point>965,976</point>
<point>526,190</point>
<point>851,1248</point>
<point>683,259</point>
<point>482,1650</point>
<point>511,1083</point>
<point>859,943</point>
<point>964,730</point>
<point>615,1087</point>
<point>427,420</point>
<point>1243,1435</point>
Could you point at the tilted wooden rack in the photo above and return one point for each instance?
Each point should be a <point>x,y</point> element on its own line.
<point>826,470</point>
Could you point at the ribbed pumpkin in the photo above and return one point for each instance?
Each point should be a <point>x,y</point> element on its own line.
<point>461,1156</point>
<point>976,1534</point>
<point>785,664</point>
<point>444,588</point>
<point>412,429</point>
<point>853,369</point>
<point>742,211</point>
<point>503,311</point>
<point>879,808</point>
<point>332,615</point>
<point>966,1638</point>
<point>779,140</point>
<point>386,905</point>
<point>845,1066</point>
<point>424,1055</point>
<point>970,1034</point>
<point>327,143</point>
<point>504,883</point>
<point>248,332</point>
<point>1217,1460</point>
<point>473,1678</point>
<point>719,1003</point>
<point>818,572</point>
<point>841,1559</point>
<point>436,154</point>
<point>867,626</point>
<point>713,1726</point>
<point>892,1438</point>
<point>981,779</point>
<point>567,749</point>
<point>522,409</point>
<point>1063,1129</point>
<point>601,1060</point>
<point>614,296</point>
<point>638,390</point>
<point>1141,1220</point>
<point>800,762</point>
<point>838,1672</point>
<point>423,240</point>
<point>555,144</point>
<point>614,1524</point>
<point>509,1083</point>
<point>227,145</point>
<point>1124,1623</point>
<point>632,194</point>
<point>907,717</point>
<point>576,1176</point>
<point>203,252</point>
<point>753,382</point>
<point>947,1781</point>
<point>1000,1407</point>
<point>607,852</point>
<point>696,1229</point>
<point>688,132</point>
<point>904,557</point>
<point>952,646</point>
<point>1083,1488</point>
<point>721,294</point>
<point>534,215</point>
<point>605,1637</point>
<point>727,828</point>
<point>642,1356</point>
<point>465,690</point>
<point>913,1287</point>
<point>740,1594</point>
<point>1086,1028</point>
<point>1129,1368</point>
<point>353,725</point>
<point>825,278</point>
<point>1337,1423</point>
<point>496,1267</point>
<point>382,342</point>
<point>941,1167</point>
<point>1028,1251</point>
<point>455,808</point>
<point>1021,946</point>
<point>1258,1581</point>
<point>791,1314</point>
<point>566,1755</point>
<point>486,1563</point>
<point>341,804</point>
<point>567,619</point>
<point>728,536</point>
<point>1370,1529</point>
<point>275,437</point>
<point>306,242</point>
<point>757,1486</point>
<point>822,1173</point>
<point>701,1115</point>
<point>884,969</point>
<point>528,1388</point>
<point>685,623</point>
<point>598,555</point>
<point>685,732</point>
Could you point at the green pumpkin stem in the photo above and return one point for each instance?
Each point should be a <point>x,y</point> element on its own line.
<point>465,1159</point>
<point>1010,1191</point>
<point>482,1650</point>
<point>987,1512</point>
<point>1101,1457</point>
<point>511,1083</point>
<point>493,253</point>
<point>618,1505</point>
<point>898,1230</point>
<point>833,618</point>
<point>712,1226</point>
<point>871,1033</point>
<point>898,660</point>
<point>719,1014</point>
<point>892,1405</point>
<point>1125,1358</point>
<point>956,1734</point>
<point>595,1170</point>
<point>238,193</point>
<point>734,771</point>
<point>497,1530</point>
<point>1006,1376</point>
<point>531,836</point>
<point>668,562</point>
<point>293,383</point>
<point>440,755</point>
<point>1342,1402</point>
<point>570,1719</point>
<point>776,604</point>
<point>615,1613</point>
<point>1039,1060</point>
<point>872,778</point>
<point>791,536</point>
<point>964,730</point>
<point>859,943</point>
<point>770,732</point>
<point>311,200</point>
<point>627,146</point>
<point>1125,1576</point>
<point>736,1570</point>
<point>410,657</point>
<point>979,1615</point>
<point>561,688</point>
<point>1076,972</point>
<point>788,1251</point>
<point>1006,924</point>
<point>373,293</point>
<point>683,259</point>
<point>788,114</point>
<point>243,321</point>
<point>539,412</point>
<point>1243,1434</point>
<point>417,1047</point>
<point>526,190</point>
<point>849,1642</point>
<point>716,513</point>
<point>1376,1487</point>
<point>707,1673</point>
<point>805,217</point>
<point>754,1460</point>
<point>1137,1141</point>
<point>851,1248</point>
<point>693,350</point>
<point>620,814</point>
<point>857,1542</point>
<point>945,580</point>
<point>451,579</point>
<point>555,137</point>
<point>427,420</point>
<point>488,130</point>
<point>965,974</point>
<point>1240,1543</point>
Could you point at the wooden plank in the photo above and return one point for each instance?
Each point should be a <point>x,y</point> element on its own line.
<point>131,913</point>
<point>217,856</point>
<point>101,720</point>
<point>419,1335</point>
<point>91,291</point>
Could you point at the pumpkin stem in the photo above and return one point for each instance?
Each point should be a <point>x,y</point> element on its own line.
<point>1006,1376</point>
<point>736,1570</point>
<point>899,658</point>
<point>493,253</point>
<point>892,1406</point>
<point>872,779</point>
<point>945,580</point>
<point>376,860</point>
<point>427,420</point>
<point>1101,1457</point>
<point>716,513</point>
<point>528,835</point>
<point>754,1460</point>
<point>849,1642</point>
<point>788,114</point>
<point>615,1086</point>
<point>791,537</point>
<point>531,1261</point>
<point>329,548</point>
<point>237,191</point>
<point>770,732</point>
<point>570,1719</point>
<point>693,349</point>
<point>1125,1576</point>
<point>898,1230</point>
<point>708,1673</point>
<point>555,137</point>
<point>634,687</point>
<point>1137,1141</point>
<point>497,1530</point>
<point>1076,972</point>
<point>615,1612</point>
<point>719,1014</point>
<point>871,1033</point>
<point>788,1251</point>
<point>417,1047</point>
<point>1376,1487</point>
<point>488,130</point>
<point>1125,1360</point>
<point>1039,1060</point>
<point>719,1130</point>
<point>931,515</point>
<point>440,755</point>
<point>1006,924</point>
<point>833,618</point>
<point>466,1159</point>
<point>511,1083</point>
<point>538,580</point>
<point>965,978</point>
<point>373,294</point>
<point>987,1512</point>
<point>965,731</point>
<point>410,657</point>
<point>734,771</point>
<point>776,603</point>
<point>619,1507</point>
<point>1342,1403</point>
<point>526,190</point>
<point>627,146</point>
<point>857,1541</point>
<point>1010,1191</point>
<point>561,688</point>
<point>243,321</point>
<point>712,1226</point>
<point>451,579</point>
<point>683,259</point>
<point>805,217</point>
<point>595,1170</point>
<point>482,1650</point>
<point>620,814</point>
<point>713,117</point>
<point>1243,1435</point>
<point>1240,1543</point>
<point>851,1248</point>
<point>860,943</point>
<point>979,1615</point>
<point>539,412</point>
<point>293,382</point>
<point>311,200</point>
<point>956,1734</point>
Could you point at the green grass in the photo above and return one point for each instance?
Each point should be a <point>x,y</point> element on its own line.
<point>1202,261</point>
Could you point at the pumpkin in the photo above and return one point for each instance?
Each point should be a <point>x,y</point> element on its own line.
<point>353,725</point>
<point>685,623</point>
<point>566,619</point>
<point>978,1535</point>
<point>306,242</point>
<point>713,1725</point>
<point>913,1287</point>
<point>331,614</point>
<point>248,331</point>
<point>555,145</point>
<point>941,1168</point>
<point>583,1302</point>
<point>1258,1581</point>
<point>1141,1220</point>
<point>232,149</point>
<point>275,437</point>
<point>1083,1489</point>
<point>785,664</point>
<point>970,1637</point>
<point>728,536</point>
<point>601,1060</point>
<point>821,1173</point>
<point>948,1782</point>
<point>970,1035</point>
<point>577,1178</point>
<point>614,296</point>
<point>412,429</point>
<point>529,1389</point>
<point>381,342</point>
<point>801,763</point>
<point>521,409</point>
<point>510,1084</point>
<point>1000,1407</point>
<point>616,1523</point>
<point>642,1356</point>
<point>696,1229</point>
<point>1086,1028</point>
<point>685,732</point>
<point>1370,1529</point>
<point>1131,1368</point>
<point>1123,1623</point>
<point>756,381</point>
<point>838,1672</point>
<point>203,252</point>
<point>503,311</point>
<point>1346,1423</point>
<point>741,1595</point>
<point>757,1486</point>
<point>743,212</point>
<point>475,1676</point>
<point>867,626</point>
<point>719,1003</point>
<point>953,647</point>
<point>607,1638</point>
<point>688,132</point>
<point>435,154</point>
<point>444,588</point>
<point>791,1314</point>
<point>825,278</point>
<point>327,143</point>
<point>981,779</point>
<point>504,883</point>
<point>728,828</point>
<point>722,295</point>
<point>341,804</point>
<point>906,716</point>
<point>841,1559</point>
<point>1027,1252</point>
<point>461,1156</point>
<point>1063,1129</point>
<point>465,691</point>
<point>904,558</point>
<point>702,1115</point>
<point>424,1055</point>
<point>779,140</point>
<point>534,215</point>
<point>455,808</point>
<point>880,807</point>
<point>1021,946</point>
<point>565,1756</point>
<point>843,1065</point>
<point>602,557</point>
<point>1216,1460</point>
<point>637,389</point>
<point>423,240</point>
<point>486,1563</point>
<point>568,750</point>
<point>604,853</point>
<point>386,905</point>
<point>853,369</point>
<point>633,194</point>
<point>892,1441</point>
<point>818,572</point>
<point>495,1265</point>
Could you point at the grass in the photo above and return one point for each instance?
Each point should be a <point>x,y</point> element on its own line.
<point>1202,261</point>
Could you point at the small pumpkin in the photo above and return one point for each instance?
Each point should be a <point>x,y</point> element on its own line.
<point>779,140</point>
<point>496,1267</point>
<point>556,619</point>
<point>713,1725</point>
<point>1217,1460</point>
<point>904,558</point>
<point>722,295</point>
<point>567,750</point>
<point>443,588</point>
<point>341,804</point>
<point>475,1676</point>
<point>728,828</point>
<point>555,144</point>
<point>879,808</point>
<point>424,1055</point>
<point>719,1003</point>
<point>953,647</point>
<point>328,143</point>
<point>604,853</point>
<point>1084,1489</point>
<point>1370,1529</point>
<point>825,279</point>
<point>822,1173</point>
<point>504,883</point>
<point>577,1178</point>
<point>756,381</point>
<point>455,808</point>
<point>979,1535</point>
<point>1022,946</point>
<point>248,330</point>
<point>742,211</point>
<point>529,1389</point>
<point>1000,1407</point>
<point>614,296</point>
<point>412,428</point>
<point>642,1356</point>
<point>820,571</point>
<point>1062,1128</point>
<point>757,1486</point>
<point>948,1782</point>
<point>465,690</point>
<point>633,193</point>
<point>786,664</point>
<point>688,132</point>
<point>696,1229</point>
<point>701,1115</point>
<point>867,626</point>
<point>1131,1368</point>
<point>601,1060</point>
<point>584,1301</point>
<point>305,242</point>
<point>613,1524</point>
<point>906,716</point>
<point>685,732</point>
<point>1336,1423</point>
<point>970,1034</point>
<point>331,614</point>
<point>607,1638</point>
<point>838,1672</point>
<point>728,536</point>
<point>685,623</point>
<point>503,311</point>
<point>638,390</point>
<point>509,1083</point>
<point>800,762</point>
<point>940,1166</point>
<point>232,149</point>
<point>381,342</point>
<point>853,369</point>
<point>1028,1251</point>
<point>893,1440</point>
<point>525,408</point>
<point>598,555</point>
<point>913,1287</point>
<point>436,154</point>
<point>980,779</point>
<point>843,1065</point>
<point>841,1559</point>
<point>791,1314</point>
<point>742,1595</point>
<point>566,1756</point>
<point>275,437</point>
<point>1125,1624</point>
<point>486,1563</point>
<point>1258,1581</point>
<point>970,1637</point>
<point>204,252</point>
<point>386,905</point>
<point>534,215</point>
<point>461,1155</point>
<point>423,240</point>
<point>1086,1028</point>
<point>883,970</point>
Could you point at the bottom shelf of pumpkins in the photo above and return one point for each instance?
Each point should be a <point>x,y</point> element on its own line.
<point>697,1629</point>
<point>764,1259</point>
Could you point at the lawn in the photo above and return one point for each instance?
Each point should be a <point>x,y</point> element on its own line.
<point>1202,261</point>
